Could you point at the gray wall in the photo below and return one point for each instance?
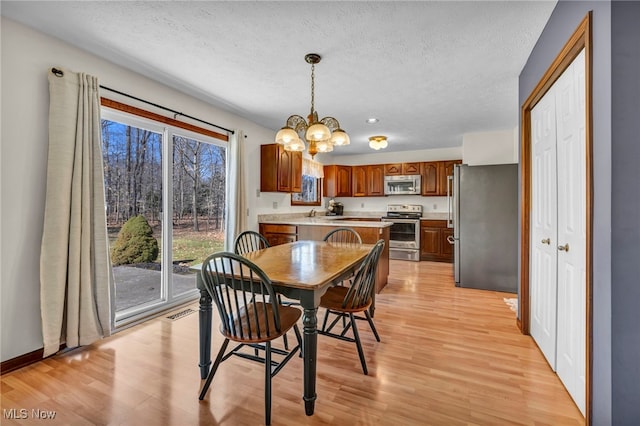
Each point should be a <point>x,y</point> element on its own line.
<point>564,20</point>
<point>625,212</point>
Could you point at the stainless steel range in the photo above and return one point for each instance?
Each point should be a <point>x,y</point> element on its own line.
<point>404,240</point>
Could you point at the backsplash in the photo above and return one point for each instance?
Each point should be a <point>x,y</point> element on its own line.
<point>379,204</point>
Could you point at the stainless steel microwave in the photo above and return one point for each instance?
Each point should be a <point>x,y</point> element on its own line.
<point>402,185</point>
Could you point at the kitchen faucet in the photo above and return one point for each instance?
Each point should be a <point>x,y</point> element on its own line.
<point>312,213</point>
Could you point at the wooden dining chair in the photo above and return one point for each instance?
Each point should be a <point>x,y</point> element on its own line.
<point>250,315</point>
<point>343,235</point>
<point>249,241</point>
<point>346,302</point>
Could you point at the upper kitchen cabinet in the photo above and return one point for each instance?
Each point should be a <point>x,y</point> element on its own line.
<point>430,175</point>
<point>435,176</point>
<point>368,181</point>
<point>337,181</point>
<point>360,178</point>
<point>375,184</point>
<point>446,170</point>
<point>280,170</point>
<point>397,169</point>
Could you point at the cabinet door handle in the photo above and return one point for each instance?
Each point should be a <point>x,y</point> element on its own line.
<point>451,239</point>
<point>564,247</point>
<point>546,241</point>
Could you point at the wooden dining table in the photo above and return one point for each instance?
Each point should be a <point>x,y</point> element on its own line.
<point>300,270</point>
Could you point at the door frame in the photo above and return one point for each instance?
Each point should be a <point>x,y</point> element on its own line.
<point>580,39</point>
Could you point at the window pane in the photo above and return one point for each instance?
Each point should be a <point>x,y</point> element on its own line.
<point>310,194</point>
<point>198,206</point>
<point>133,191</point>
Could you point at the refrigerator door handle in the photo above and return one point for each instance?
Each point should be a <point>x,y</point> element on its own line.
<point>449,202</point>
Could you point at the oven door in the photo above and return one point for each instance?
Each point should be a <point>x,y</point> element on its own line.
<point>404,233</point>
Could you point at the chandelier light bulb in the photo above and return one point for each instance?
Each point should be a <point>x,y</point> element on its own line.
<point>324,146</point>
<point>318,132</point>
<point>286,135</point>
<point>295,145</point>
<point>340,138</point>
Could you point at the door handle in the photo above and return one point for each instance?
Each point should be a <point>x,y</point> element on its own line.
<point>451,239</point>
<point>564,247</point>
<point>546,241</point>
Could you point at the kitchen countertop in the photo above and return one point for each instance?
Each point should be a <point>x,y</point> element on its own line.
<point>350,218</point>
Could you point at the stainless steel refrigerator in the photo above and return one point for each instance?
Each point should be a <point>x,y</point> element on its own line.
<point>484,215</point>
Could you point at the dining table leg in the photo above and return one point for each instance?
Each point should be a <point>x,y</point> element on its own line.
<point>310,350</point>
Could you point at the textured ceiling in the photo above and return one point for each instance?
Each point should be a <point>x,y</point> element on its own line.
<point>430,71</point>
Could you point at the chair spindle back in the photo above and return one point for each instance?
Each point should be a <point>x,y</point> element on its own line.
<point>361,289</point>
<point>249,241</point>
<point>240,289</point>
<point>343,235</point>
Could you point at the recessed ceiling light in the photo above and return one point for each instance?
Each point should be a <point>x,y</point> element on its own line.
<point>372,120</point>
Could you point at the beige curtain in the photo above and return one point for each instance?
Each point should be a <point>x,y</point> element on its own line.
<point>236,204</point>
<point>74,258</point>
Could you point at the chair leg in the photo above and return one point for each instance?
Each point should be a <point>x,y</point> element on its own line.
<point>267,383</point>
<point>358,344</point>
<point>371,324</point>
<point>214,368</point>
<point>324,321</point>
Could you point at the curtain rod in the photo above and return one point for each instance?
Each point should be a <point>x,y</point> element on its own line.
<point>60,73</point>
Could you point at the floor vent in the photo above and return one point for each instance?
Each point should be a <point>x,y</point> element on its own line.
<point>181,314</point>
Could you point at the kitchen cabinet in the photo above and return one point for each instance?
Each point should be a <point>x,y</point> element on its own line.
<point>360,179</point>
<point>430,177</point>
<point>435,176</point>
<point>280,170</point>
<point>446,170</point>
<point>368,181</point>
<point>278,234</point>
<point>375,185</point>
<point>434,245</point>
<point>396,169</point>
<point>337,181</point>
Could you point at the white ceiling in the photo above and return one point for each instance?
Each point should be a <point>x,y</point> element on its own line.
<point>430,71</point>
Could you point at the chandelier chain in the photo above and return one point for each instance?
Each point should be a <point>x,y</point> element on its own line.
<point>313,88</point>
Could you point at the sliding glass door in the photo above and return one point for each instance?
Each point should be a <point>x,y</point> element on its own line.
<point>164,190</point>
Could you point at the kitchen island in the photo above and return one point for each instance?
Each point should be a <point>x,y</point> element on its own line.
<point>371,229</point>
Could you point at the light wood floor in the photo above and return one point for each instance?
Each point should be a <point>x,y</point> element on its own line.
<point>448,356</point>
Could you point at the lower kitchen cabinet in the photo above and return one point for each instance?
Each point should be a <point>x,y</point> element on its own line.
<point>278,234</point>
<point>434,245</point>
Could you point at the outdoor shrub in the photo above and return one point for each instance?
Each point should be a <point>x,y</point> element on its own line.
<point>135,243</point>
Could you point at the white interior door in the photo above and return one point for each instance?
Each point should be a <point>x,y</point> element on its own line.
<point>543,267</point>
<point>558,228</point>
<point>571,142</point>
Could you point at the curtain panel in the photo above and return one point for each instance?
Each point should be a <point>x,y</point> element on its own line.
<point>312,168</point>
<point>236,204</point>
<point>74,260</point>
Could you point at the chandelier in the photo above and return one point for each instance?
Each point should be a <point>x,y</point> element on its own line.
<point>321,135</point>
<point>378,142</point>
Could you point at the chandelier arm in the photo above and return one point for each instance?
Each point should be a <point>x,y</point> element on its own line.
<point>297,123</point>
<point>331,123</point>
